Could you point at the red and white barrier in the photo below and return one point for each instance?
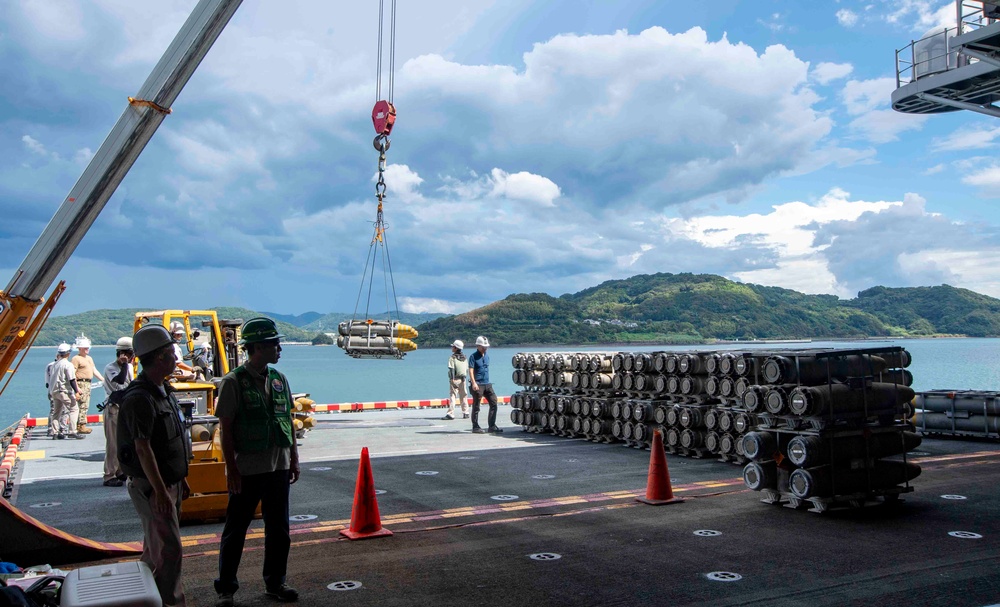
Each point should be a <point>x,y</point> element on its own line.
<point>395,404</point>
<point>10,455</point>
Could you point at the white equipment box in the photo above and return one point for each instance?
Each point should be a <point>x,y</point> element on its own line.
<point>113,585</point>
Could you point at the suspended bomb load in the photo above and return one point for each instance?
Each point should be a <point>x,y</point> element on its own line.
<point>376,328</point>
<point>376,347</point>
<point>376,338</point>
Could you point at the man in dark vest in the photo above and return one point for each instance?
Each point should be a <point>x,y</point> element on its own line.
<point>262,460</point>
<point>153,451</point>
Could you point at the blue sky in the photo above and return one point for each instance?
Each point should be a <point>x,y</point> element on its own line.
<point>539,147</point>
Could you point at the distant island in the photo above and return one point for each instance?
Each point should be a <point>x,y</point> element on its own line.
<point>644,309</point>
<point>701,308</point>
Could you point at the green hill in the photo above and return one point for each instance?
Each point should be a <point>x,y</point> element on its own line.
<point>697,308</point>
<point>106,326</point>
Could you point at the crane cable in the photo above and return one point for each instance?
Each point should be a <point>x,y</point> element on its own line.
<point>383,119</point>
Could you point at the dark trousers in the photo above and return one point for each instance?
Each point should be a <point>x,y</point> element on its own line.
<point>485,391</point>
<point>271,492</point>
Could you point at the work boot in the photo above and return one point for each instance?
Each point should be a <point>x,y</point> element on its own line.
<point>60,436</point>
<point>465,416</point>
<point>113,482</point>
<point>74,436</point>
<point>495,430</point>
<point>283,593</point>
<point>82,429</point>
<point>448,417</point>
<point>478,430</point>
<point>225,600</point>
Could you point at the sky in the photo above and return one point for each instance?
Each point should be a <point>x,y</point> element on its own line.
<point>538,147</point>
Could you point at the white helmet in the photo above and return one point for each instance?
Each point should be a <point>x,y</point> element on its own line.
<point>458,343</point>
<point>82,342</point>
<point>124,343</point>
<point>482,341</point>
<point>150,338</point>
<point>64,348</point>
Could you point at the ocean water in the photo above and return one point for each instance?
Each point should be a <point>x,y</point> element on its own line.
<point>331,376</point>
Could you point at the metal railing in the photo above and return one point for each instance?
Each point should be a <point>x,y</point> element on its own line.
<point>935,53</point>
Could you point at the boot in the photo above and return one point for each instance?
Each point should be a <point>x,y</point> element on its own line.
<point>83,429</point>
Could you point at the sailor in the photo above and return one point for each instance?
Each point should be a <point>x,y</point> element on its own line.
<point>186,371</point>
<point>86,371</point>
<point>479,383</point>
<point>458,368</point>
<point>63,390</point>
<point>154,451</point>
<point>117,377</point>
<point>262,460</point>
<point>52,404</point>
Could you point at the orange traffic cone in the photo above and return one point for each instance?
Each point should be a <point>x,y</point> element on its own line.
<point>365,520</point>
<point>658,490</point>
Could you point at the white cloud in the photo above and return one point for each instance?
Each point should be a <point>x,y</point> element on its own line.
<point>419,305</point>
<point>862,96</point>
<point>524,186</point>
<point>847,17</point>
<point>34,145</point>
<point>976,270</point>
<point>973,138</point>
<point>883,126</point>
<point>401,182</point>
<point>83,156</point>
<point>865,100</point>
<point>934,170</point>
<point>826,72</point>
<point>987,178</point>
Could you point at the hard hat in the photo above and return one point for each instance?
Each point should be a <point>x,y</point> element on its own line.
<point>259,329</point>
<point>82,342</point>
<point>124,343</point>
<point>482,341</point>
<point>458,343</point>
<point>63,348</point>
<point>150,338</point>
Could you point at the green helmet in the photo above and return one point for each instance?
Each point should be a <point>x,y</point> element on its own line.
<point>259,329</point>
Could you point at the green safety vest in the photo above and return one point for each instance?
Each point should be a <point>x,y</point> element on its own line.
<point>261,423</point>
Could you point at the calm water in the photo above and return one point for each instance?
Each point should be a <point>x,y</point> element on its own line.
<point>330,376</point>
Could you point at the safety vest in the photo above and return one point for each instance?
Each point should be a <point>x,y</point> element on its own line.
<point>262,422</point>
<point>168,440</point>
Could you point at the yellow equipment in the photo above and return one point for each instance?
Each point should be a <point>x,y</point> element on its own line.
<point>207,471</point>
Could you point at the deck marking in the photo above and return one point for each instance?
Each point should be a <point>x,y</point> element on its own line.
<point>33,454</point>
<point>451,514</point>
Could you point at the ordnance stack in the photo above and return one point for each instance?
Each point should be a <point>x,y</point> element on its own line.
<point>302,418</point>
<point>827,421</point>
<point>958,413</point>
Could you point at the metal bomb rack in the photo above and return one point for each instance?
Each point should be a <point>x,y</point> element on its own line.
<point>830,425</point>
<point>837,413</point>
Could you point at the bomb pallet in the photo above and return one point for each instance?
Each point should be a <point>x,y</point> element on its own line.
<point>811,426</point>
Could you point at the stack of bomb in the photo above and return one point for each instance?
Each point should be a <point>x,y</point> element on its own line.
<point>376,338</point>
<point>958,413</point>
<point>302,418</point>
<point>624,396</point>
<point>826,421</point>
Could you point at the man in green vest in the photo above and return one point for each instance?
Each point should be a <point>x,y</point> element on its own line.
<point>262,460</point>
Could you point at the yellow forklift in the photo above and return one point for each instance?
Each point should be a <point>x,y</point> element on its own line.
<point>195,388</point>
<point>195,392</point>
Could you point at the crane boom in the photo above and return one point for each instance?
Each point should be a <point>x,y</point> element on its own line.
<point>86,199</point>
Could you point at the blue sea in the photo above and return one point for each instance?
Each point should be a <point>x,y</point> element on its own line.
<point>331,376</point>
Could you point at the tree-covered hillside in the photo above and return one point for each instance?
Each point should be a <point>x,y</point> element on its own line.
<point>106,326</point>
<point>693,308</point>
